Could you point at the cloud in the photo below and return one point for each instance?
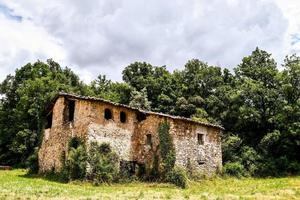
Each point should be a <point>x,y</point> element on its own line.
<point>23,42</point>
<point>291,11</point>
<point>102,37</point>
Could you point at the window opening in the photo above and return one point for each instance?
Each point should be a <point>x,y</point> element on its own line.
<point>149,139</point>
<point>49,120</point>
<point>200,139</point>
<point>140,116</point>
<point>71,110</point>
<point>107,114</point>
<point>122,117</point>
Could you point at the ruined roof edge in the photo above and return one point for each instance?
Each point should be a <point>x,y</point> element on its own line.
<point>133,108</point>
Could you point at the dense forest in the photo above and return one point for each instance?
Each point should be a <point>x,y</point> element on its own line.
<point>256,103</point>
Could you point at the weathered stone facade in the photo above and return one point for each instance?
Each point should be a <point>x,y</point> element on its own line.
<point>132,133</point>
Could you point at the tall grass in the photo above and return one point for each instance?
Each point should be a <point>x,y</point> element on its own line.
<point>16,184</point>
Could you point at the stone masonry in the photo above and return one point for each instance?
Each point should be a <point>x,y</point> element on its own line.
<point>131,132</point>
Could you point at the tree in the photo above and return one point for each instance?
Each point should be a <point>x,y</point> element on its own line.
<point>25,96</point>
<point>258,98</point>
<point>201,79</point>
<point>140,100</point>
<point>112,91</point>
<point>161,86</point>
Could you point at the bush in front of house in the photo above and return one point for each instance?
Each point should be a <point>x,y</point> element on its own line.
<point>177,176</point>
<point>102,163</point>
<point>75,164</point>
<point>98,163</point>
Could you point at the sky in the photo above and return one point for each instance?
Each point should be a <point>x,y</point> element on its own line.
<point>103,37</point>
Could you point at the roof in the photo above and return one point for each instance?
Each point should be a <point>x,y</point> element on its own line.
<point>132,108</point>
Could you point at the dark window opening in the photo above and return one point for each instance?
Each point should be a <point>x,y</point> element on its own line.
<point>71,110</point>
<point>149,139</point>
<point>107,114</point>
<point>200,139</point>
<point>49,121</point>
<point>122,117</point>
<point>140,116</point>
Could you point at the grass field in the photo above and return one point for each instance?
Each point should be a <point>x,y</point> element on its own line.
<point>16,185</point>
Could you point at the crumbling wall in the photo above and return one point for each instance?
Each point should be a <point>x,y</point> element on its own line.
<point>205,158</point>
<point>55,141</point>
<point>119,139</point>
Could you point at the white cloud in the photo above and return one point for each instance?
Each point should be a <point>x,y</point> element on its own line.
<point>291,10</point>
<point>103,37</point>
<point>23,42</point>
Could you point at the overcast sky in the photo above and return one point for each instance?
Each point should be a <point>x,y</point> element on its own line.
<point>103,37</point>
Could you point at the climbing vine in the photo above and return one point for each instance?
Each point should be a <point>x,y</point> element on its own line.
<point>166,147</point>
<point>169,172</point>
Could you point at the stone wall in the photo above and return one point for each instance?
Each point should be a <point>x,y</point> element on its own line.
<point>128,139</point>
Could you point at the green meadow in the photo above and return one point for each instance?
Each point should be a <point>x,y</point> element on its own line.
<point>15,184</point>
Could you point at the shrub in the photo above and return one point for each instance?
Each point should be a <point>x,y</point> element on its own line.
<point>231,145</point>
<point>103,163</point>
<point>250,159</point>
<point>105,148</point>
<point>234,169</point>
<point>75,165</point>
<point>32,162</point>
<point>177,176</point>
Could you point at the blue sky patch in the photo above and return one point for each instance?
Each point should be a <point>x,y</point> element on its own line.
<point>9,13</point>
<point>295,39</point>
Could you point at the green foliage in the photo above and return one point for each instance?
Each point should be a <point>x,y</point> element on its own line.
<point>161,87</point>
<point>166,148</point>
<point>106,89</point>
<point>32,162</point>
<point>163,167</point>
<point>26,94</point>
<point>140,100</point>
<point>103,163</point>
<point>184,108</point>
<point>98,164</point>
<point>75,164</point>
<point>234,169</point>
<point>231,146</point>
<point>178,177</point>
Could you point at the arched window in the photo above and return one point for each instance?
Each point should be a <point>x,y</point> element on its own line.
<point>107,114</point>
<point>122,117</point>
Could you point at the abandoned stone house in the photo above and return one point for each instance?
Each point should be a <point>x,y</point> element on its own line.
<point>132,133</point>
